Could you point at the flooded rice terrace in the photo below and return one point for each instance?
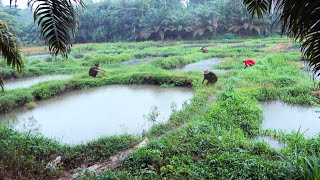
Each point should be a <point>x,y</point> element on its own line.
<point>282,116</point>
<point>110,110</point>
<point>137,61</point>
<point>203,65</point>
<point>40,55</point>
<point>27,82</point>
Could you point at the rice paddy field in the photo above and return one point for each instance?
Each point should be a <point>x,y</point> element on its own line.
<point>212,132</point>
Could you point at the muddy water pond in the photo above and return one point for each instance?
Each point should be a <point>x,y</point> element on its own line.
<point>27,82</point>
<point>291,118</point>
<point>82,116</point>
<point>203,65</point>
<point>137,61</point>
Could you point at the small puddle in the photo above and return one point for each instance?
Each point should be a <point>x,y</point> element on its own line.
<point>203,65</point>
<point>111,110</point>
<point>271,141</point>
<point>293,49</point>
<point>27,82</point>
<point>258,46</point>
<point>136,61</point>
<point>282,116</point>
<point>33,56</point>
<point>198,45</point>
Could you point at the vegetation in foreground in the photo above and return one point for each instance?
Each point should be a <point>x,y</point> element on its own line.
<point>205,140</point>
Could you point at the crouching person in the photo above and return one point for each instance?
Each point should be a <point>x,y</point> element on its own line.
<point>204,49</point>
<point>93,71</point>
<point>210,77</point>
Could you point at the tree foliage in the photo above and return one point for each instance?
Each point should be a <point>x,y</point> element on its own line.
<point>300,19</point>
<point>57,21</point>
<point>136,20</point>
<point>9,48</point>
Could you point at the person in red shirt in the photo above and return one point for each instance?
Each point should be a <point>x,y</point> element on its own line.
<point>249,62</point>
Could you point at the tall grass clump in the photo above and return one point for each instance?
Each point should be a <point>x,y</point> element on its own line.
<point>304,165</point>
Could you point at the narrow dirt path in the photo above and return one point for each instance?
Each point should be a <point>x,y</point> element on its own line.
<point>112,163</point>
<point>280,47</point>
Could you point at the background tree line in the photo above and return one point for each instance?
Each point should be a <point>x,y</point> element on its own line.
<point>137,20</point>
<point>132,20</point>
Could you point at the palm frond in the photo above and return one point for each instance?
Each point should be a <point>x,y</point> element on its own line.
<point>300,19</point>
<point>1,82</point>
<point>257,7</point>
<point>15,2</point>
<point>57,20</point>
<point>311,51</point>
<point>9,49</point>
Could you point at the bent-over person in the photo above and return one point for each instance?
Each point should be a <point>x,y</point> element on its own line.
<point>210,77</point>
<point>93,71</point>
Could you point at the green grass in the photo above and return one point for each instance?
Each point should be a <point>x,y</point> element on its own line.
<point>204,140</point>
<point>25,156</point>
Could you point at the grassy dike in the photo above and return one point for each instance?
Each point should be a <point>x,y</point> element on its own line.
<point>29,154</point>
<point>215,144</point>
<point>171,55</point>
<point>205,140</point>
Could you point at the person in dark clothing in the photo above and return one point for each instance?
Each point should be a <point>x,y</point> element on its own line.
<point>204,49</point>
<point>210,77</point>
<point>93,71</point>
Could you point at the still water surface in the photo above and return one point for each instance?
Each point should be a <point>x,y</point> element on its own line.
<point>110,110</point>
<point>283,116</point>
<point>202,66</point>
<point>27,82</point>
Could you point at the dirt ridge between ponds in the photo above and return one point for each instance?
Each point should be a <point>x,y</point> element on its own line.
<point>111,163</point>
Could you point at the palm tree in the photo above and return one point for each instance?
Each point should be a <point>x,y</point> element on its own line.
<point>155,22</point>
<point>300,19</point>
<point>180,22</point>
<point>9,48</point>
<point>249,26</point>
<point>207,20</point>
<point>57,20</point>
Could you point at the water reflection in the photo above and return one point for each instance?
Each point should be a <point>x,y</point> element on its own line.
<point>271,141</point>
<point>136,61</point>
<point>203,65</point>
<point>27,82</point>
<point>111,110</point>
<point>282,116</point>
